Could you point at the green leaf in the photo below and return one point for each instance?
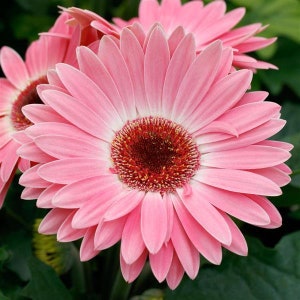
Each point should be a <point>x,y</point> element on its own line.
<point>287,59</point>
<point>2,297</point>
<point>44,283</point>
<point>282,16</point>
<point>265,274</point>
<point>289,197</point>
<point>152,294</point>
<point>4,256</point>
<point>291,133</point>
<point>19,244</point>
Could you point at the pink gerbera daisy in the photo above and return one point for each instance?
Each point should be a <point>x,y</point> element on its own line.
<point>207,22</point>
<point>154,146</point>
<point>19,89</point>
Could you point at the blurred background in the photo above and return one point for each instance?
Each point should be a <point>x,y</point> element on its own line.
<point>20,23</point>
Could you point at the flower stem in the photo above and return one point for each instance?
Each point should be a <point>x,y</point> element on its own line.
<point>77,272</point>
<point>120,289</point>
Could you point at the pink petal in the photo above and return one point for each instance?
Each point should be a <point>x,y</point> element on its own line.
<point>47,86</point>
<point>161,261</point>
<point>9,160</point>
<point>223,95</point>
<point>200,76</point>
<point>206,17</point>
<point>280,177</point>
<point>277,144</point>
<point>66,233</point>
<point>255,43</point>
<point>223,24</point>
<point>139,32</point>
<point>250,115</point>
<point>87,250</point>
<point>168,9</point>
<point>31,193</point>
<point>237,205</point>
<point>133,54</point>
<point>30,178</point>
<point>115,64</point>
<point>31,152</point>
<point>61,147</point>
<point>181,60</point>
<point>109,233</point>
<point>251,157</point>
<point>238,181</point>
<point>132,245</point>
<point>38,58</point>
<point>252,97</point>
<point>148,12</point>
<point>157,54</point>
<point>275,217</point>
<point>20,137</point>
<point>40,113</point>
<point>131,271</point>
<point>92,66</point>
<point>170,216</point>
<point>236,36</point>
<point>8,94</point>
<point>217,127</point>
<point>175,274</point>
<point>23,165</point>
<point>57,128</point>
<point>253,136</point>
<point>79,114</point>
<point>90,96</point>
<point>69,170</point>
<point>239,244</point>
<point>127,202</point>
<point>174,40</point>
<point>208,246</point>
<point>205,214</point>
<point>79,193</point>
<point>186,252</point>
<point>45,198</point>
<point>54,79</point>
<point>154,221</point>
<point>53,220</point>
<point>93,210</point>
<point>225,64</point>
<point>11,61</point>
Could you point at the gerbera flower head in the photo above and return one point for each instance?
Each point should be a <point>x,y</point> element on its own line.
<point>19,89</point>
<point>208,23</point>
<point>155,148</point>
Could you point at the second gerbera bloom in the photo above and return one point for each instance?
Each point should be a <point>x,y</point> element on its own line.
<point>151,144</point>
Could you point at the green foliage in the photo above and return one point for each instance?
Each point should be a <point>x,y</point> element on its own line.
<point>265,274</point>
<point>44,283</point>
<point>281,15</point>
<point>287,59</point>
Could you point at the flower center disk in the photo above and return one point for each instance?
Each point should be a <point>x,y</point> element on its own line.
<point>27,96</point>
<point>154,154</point>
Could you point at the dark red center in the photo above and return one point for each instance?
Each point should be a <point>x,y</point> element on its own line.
<point>27,96</point>
<point>154,154</point>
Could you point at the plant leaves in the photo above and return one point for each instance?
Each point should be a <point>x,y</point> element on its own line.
<point>291,133</point>
<point>44,283</point>
<point>265,274</point>
<point>282,16</point>
<point>287,59</point>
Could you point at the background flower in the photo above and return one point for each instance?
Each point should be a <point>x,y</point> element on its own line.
<point>207,22</point>
<point>19,89</point>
